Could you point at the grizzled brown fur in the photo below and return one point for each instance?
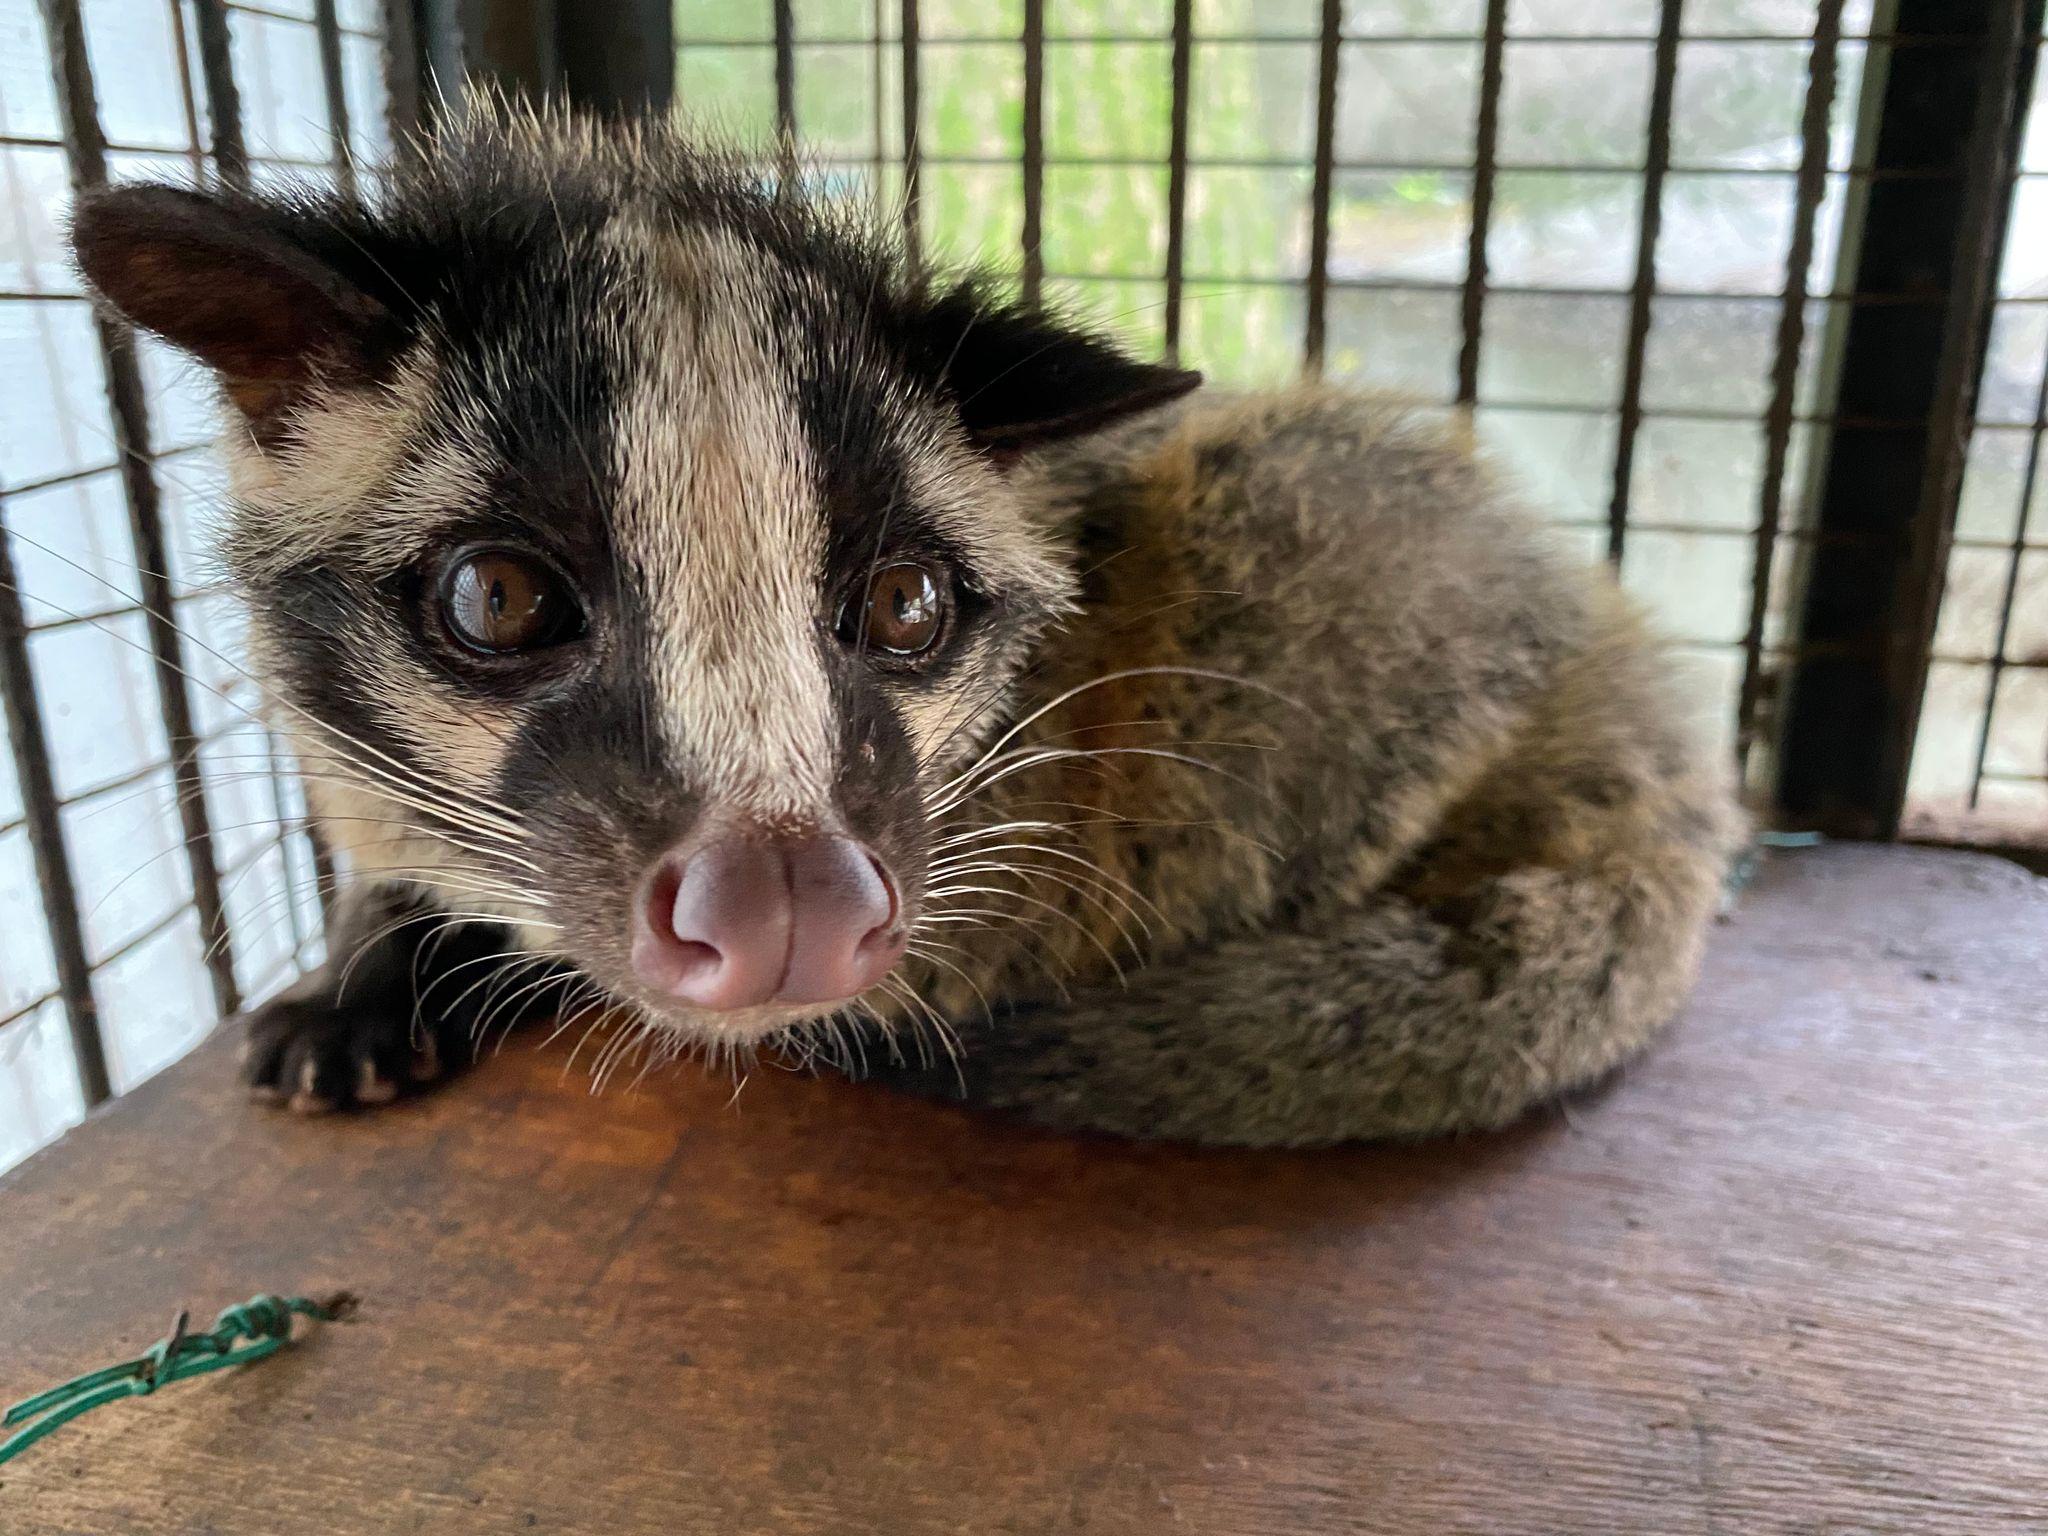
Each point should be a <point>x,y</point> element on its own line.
<point>1491,843</point>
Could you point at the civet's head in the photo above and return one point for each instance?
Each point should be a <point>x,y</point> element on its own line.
<point>632,546</point>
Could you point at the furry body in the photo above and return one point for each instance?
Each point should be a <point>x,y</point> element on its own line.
<point>1467,863</point>
<point>1276,781</point>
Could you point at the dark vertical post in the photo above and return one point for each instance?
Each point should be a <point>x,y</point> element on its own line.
<point>1034,150</point>
<point>785,76</point>
<point>86,151</point>
<point>509,45</point>
<point>877,82</point>
<point>1811,187</point>
<point>328,28</point>
<point>1324,190</point>
<point>615,56</point>
<point>1177,171</point>
<point>405,102</point>
<point>1926,269</point>
<point>188,99</point>
<point>913,233</point>
<point>45,827</point>
<point>223,101</point>
<point>444,44</point>
<point>1485,154</point>
<point>1656,162</point>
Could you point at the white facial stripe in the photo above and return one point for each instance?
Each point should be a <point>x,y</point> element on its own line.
<point>718,518</point>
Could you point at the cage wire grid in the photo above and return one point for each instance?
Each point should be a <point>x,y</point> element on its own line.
<point>156,869</point>
<point>1533,210</point>
<point>1684,443</point>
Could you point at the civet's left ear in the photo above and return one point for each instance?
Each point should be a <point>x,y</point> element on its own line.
<point>234,282</point>
<point>1020,379</point>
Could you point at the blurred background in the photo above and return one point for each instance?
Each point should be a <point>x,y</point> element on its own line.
<point>1748,294</point>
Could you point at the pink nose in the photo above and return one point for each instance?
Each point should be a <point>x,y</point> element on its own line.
<point>742,921</point>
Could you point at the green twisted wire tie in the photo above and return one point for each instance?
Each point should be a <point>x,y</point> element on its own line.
<point>258,1328</point>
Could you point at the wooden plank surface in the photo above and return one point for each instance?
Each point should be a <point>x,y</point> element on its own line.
<point>1789,1275</point>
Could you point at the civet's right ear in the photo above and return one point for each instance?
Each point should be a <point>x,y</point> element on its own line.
<point>1021,378</point>
<point>224,279</point>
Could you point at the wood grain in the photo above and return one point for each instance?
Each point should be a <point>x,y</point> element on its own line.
<point>1787,1276</point>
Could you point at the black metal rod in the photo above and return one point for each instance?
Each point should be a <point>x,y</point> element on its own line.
<point>223,101</point>
<point>405,100</point>
<point>1812,186</point>
<point>85,149</point>
<point>1643,290</point>
<point>1405,166</point>
<point>327,27</point>
<point>402,70</point>
<point>877,85</point>
<point>104,467</point>
<point>785,77</point>
<point>1951,108</point>
<point>31,749</point>
<point>1486,152</point>
<point>188,97</point>
<point>119,782</point>
<point>511,46</point>
<point>1329,54</point>
<point>33,1005</point>
<point>1034,151</point>
<point>1620,40</point>
<point>1181,67</point>
<point>913,233</point>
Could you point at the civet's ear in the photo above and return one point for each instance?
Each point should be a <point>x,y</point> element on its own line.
<point>1019,378</point>
<point>225,279</point>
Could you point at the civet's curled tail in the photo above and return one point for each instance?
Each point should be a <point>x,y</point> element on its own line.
<point>1389,1020</point>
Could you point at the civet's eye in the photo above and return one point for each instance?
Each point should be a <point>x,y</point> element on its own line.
<point>500,601</point>
<point>903,612</point>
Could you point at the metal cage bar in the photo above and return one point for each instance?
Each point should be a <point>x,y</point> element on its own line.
<point>1180,67</point>
<point>231,164</point>
<point>86,156</point>
<point>188,98</point>
<point>1032,151</point>
<point>223,101</point>
<point>1329,57</point>
<point>405,71</point>
<point>1486,148</point>
<point>1643,291</point>
<point>1814,135</point>
<point>44,821</point>
<point>1885,503</point>
<point>327,28</point>
<point>785,76</point>
<point>913,232</point>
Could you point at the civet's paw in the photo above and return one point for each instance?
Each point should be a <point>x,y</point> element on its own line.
<point>317,1055</point>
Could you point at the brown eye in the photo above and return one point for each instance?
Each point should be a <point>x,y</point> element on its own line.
<point>500,601</point>
<point>905,610</point>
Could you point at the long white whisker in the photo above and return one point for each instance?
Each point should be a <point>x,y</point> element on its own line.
<point>1120,676</point>
<point>480,806</point>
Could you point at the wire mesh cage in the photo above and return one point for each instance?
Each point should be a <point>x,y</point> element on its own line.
<point>1639,240</point>
<point>154,865</point>
<point>1633,238</point>
<point>1749,294</point>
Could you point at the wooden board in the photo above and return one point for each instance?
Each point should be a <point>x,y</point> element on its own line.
<point>1789,1274</point>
